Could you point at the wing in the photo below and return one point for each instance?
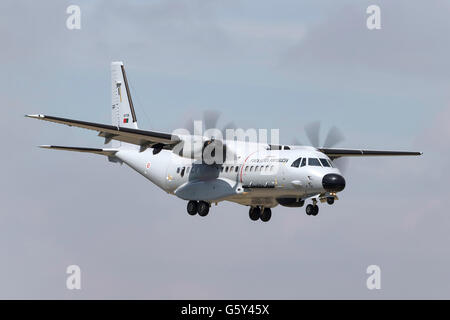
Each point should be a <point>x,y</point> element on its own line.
<point>337,153</point>
<point>130,135</point>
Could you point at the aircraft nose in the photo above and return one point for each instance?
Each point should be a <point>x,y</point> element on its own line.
<point>333,182</point>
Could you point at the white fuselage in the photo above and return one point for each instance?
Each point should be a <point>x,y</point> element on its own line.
<point>256,177</point>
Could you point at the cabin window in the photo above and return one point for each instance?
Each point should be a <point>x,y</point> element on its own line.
<point>251,168</point>
<point>226,169</point>
<point>296,163</point>
<point>231,169</point>
<point>178,170</point>
<point>246,168</point>
<point>324,162</point>
<point>267,168</point>
<point>314,162</point>
<point>236,169</point>
<point>287,148</point>
<point>182,172</point>
<point>256,168</point>
<point>221,169</point>
<point>271,168</point>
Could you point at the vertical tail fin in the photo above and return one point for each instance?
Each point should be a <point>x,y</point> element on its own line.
<point>123,114</point>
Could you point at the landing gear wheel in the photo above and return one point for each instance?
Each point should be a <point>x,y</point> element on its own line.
<point>203,208</point>
<point>309,209</point>
<point>192,207</point>
<point>266,214</point>
<point>315,210</point>
<point>254,213</point>
<point>330,200</point>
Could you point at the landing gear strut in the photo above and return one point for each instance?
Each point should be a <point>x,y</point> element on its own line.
<point>312,210</point>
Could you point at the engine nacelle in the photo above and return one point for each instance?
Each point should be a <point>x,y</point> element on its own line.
<point>210,151</point>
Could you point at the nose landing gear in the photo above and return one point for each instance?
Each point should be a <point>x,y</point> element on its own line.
<point>312,209</point>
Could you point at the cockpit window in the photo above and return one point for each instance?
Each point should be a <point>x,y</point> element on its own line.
<point>303,162</point>
<point>296,163</point>
<point>331,163</point>
<point>324,162</point>
<point>314,162</point>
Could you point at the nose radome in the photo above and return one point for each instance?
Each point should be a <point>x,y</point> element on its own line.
<point>333,182</point>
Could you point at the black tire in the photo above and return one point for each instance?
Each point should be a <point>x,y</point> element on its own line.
<point>330,200</point>
<point>316,210</point>
<point>203,208</point>
<point>192,207</point>
<point>266,214</point>
<point>309,209</point>
<point>254,213</point>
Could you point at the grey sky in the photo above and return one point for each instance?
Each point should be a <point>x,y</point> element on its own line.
<point>261,65</point>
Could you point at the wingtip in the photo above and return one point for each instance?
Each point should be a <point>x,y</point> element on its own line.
<point>45,146</point>
<point>35,116</point>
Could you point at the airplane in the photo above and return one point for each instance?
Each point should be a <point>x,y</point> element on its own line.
<point>257,174</point>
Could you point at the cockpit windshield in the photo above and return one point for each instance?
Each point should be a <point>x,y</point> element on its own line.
<point>296,163</point>
<point>321,162</point>
<point>324,162</point>
<point>303,162</point>
<point>314,162</point>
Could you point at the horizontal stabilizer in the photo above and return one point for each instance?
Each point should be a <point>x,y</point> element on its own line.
<point>105,152</point>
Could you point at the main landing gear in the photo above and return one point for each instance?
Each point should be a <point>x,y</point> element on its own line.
<point>256,213</point>
<point>312,209</point>
<point>200,207</point>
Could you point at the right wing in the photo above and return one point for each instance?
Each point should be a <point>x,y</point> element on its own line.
<point>142,138</point>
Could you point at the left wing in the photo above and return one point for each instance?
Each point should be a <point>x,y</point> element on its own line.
<point>337,153</point>
<point>142,138</point>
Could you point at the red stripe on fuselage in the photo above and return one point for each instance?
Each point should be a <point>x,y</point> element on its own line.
<point>242,168</point>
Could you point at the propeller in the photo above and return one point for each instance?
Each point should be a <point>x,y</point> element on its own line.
<point>333,137</point>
